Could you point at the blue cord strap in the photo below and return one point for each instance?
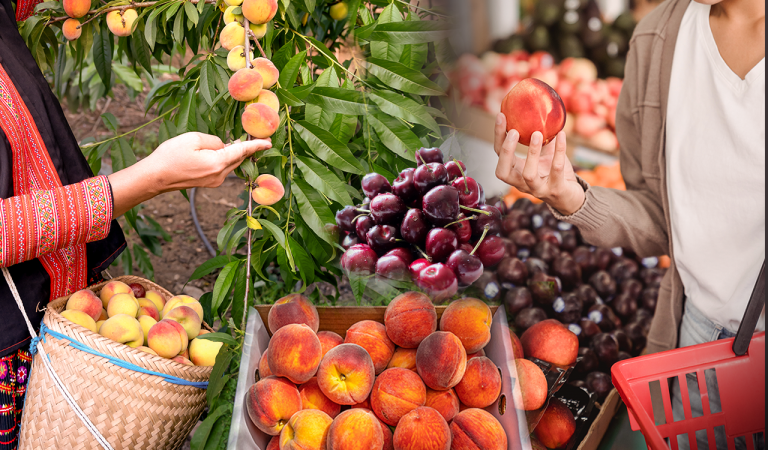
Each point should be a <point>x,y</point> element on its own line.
<point>116,361</point>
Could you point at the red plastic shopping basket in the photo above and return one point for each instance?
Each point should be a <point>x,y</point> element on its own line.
<point>739,365</point>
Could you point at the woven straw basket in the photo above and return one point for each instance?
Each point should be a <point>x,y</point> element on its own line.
<point>132,410</point>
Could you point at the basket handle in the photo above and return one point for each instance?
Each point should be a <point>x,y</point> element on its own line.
<point>751,315</point>
<point>46,361</point>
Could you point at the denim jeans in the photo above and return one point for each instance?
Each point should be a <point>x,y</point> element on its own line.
<point>698,329</point>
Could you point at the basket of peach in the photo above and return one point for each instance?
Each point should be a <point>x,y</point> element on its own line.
<point>130,354</point>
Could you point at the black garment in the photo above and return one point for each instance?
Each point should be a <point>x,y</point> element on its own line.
<point>30,277</point>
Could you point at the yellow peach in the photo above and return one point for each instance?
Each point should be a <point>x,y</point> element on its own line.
<point>268,98</point>
<point>121,23</point>
<point>71,29</point>
<point>166,339</point>
<point>232,35</point>
<point>148,308</point>
<point>188,319</point>
<point>258,30</point>
<point>271,402</point>
<point>98,324</point>
<point>236,58</point>
<point>203,352</point>
<point>85,301</point>
<point>146,323</point>
<point>307,430</point>
<point>103,316</point>
<point>76,8</point>
<point>268,190</point>
<point>245,85</point>
<point>123,304</point>
<point>179,300</point>
<point>112,288</point>
<point>182,360</point>
<point>268,71</point>
<point>233,2</point>
<point>124,329</point>
<point>80,318</point>
<point>156,298</point>
<point>146,350</point>
<point>339,11</point>
<point>260,121</point>
<point>230,16</point>
<point>259,11</point>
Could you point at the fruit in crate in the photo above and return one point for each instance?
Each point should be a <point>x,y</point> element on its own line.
<point>306,430</point>
<point>395,393</point>
<point>346,374</point>
<point>533,384</point>
<point>422,429</point>
<point>271,402</point>
<point>477,429</point>
<point>355,429</point>
<point>441,360</point>
<point>372,336</point>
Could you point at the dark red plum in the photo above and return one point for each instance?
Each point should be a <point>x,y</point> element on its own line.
<point>648,298</point>
<point>515,219</point>
<point>523,239</point>
<point>524,205</point>
<point>606,347</point>
<point>569,272</point>
<point>588,330</point>
<point>528,317</point>
<point>604,284</point>
<point>600,383</point>
<point>567,308</point>
<point>587,295</point>
<point>544,288</point>
<point>546,251</point>
<point>589,362</point>
<point>631,287</point>
<point>536,265</point>
<point>624,306</point>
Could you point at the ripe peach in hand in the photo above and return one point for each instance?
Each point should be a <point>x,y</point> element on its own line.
<point>395,393</point>
<point>329,340</point>
<point>470,320</point>
<point>271,402</point>
<point>167,338</point>
<point>549,340</point>
<point>346,374</point>
<point>148,308</point>
<point>441,360</point>
<point>80,318</point>
<point>232,35</point>
<point>111,288</point>
<point>532,105</point>
<point>268,98</point>
<point>260,121</point>
<point>312,397</point>
<point>203,352</point>
<point>124,329</point>
<point>372,336</point>
<point>70,29</point>
<point>259,11</point>
<point>268,71</point>
<point>556,426</point>
<point>245,85</point>
<point>295,353</point>
<point>121,24</point>
<point>533,384</point>
<point>236,58</point>
<point>356,429</point>
<point>476,429</point>
<point>293,308</point>
<point>444,402</point>
<point>188,319</point>
<point>146,322</point>
<point>404,358</point>
<point>123,304</point>
<point>76,8</point>
<point>87,302</point>
<point>306,430</point>
<point>481,384</point>
<point>422,429</point>
<point>268,189</point>
<point>410,318</point>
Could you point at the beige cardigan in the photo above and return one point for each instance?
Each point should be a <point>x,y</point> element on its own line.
<point>638,218</point>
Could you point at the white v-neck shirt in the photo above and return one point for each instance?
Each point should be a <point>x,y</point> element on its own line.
<point>715,151</point>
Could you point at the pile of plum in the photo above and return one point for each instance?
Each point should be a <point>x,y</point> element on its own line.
<point>430,226</point>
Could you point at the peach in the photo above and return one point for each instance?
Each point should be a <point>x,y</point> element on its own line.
<point>339,11</point>
<point>264,371</point>
<point>480,352</point>
<point>329,340</point>
<point>365,404</point>
<point>98,324</point>
<point>470,320</point>
<point>121,23</point>
<point>556,426</point>
<point>87,302</point>
<point>422,429</point>
<point>274,443</point>
<point>517,346</point>
<point>260,121</point>
<point>403,357</point>
<point>71,29</point>
<point>388,435</point>
<point>532,105</point>
<point>156,298</point>
<point>346,374</point>
<point>271,402</point>
<point>295,353</point>
<point>258,30</point>
<point>148,308</point>
<point>312,397</point>
<point>111,288</point>
<point>232,35</point>
<point>233,2</point>
<point>268,98</point>
<point>103,315</point>
<point>549,340</point>
<point>410,318</point>
<point>476,429</point>
<point>182,360</point>
<point>293,308</point>
<point>179,300</point>
<point>146,350</point>
<point>76,8</point>
<point>372,336</point>
<point>123,304</point>
<point>536,444</point>
<point>441,360</point>
<point>230,16</point>
<point>236,58</point>
<point>533,384</point>
<point>188,319</point>
<point>395,393</point>
<point>245,85</point>
<point>80,318</point>
<point>259,11</point>
<point>268,71</point>
<point>481,384</point>
<point>268,189</point>
<point>203,352</point>
<point>306,430</point>
<point>444,402</point>
<point>356,429</point>
<point>124,329</point>
<point>167,338</point>
<point>146,322</point>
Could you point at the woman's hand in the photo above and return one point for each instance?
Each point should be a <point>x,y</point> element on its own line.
<point>186,161</point>
<point>546,173</point>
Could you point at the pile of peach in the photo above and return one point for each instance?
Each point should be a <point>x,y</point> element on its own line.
<point>398,385</point>
<point>142,319</point>
<point>120,22</point>
<point>589,101</point>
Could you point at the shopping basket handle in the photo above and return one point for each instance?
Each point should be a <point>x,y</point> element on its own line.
<point>748,323</point>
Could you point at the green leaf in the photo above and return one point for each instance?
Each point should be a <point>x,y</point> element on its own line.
<point>220,366</point>
<point>382,171</point>
<point>122,156</point>
<point>291,70</point>
<point>343,127</point>
<point>203,432</point>
<point>141,51</point>
<point>358,283</point>
<point>192,12</point>
<point>286,98</point>
<point>314,211</point>
<point>207,82</point>
<point>274,230</point>
<point>395,135</point>
<point>178,27</point>
<point>339,100</point>
<point>322,49</point>
<point>411,32</point>
<point>320,177</point>
<point>223,285</point>
<point>310,5</point>
<point>383,49</point>
<point>150,28</point>
<point>328,148</point>
<point>102,55</point>
<point>218,337</point>
<point>210,265</point>
<point>415,55</point>
<point>110,121</point>
<point>142,260</point>
<point>304,263</point>
<point>315,114</point>
<point>404,108</point>
<point>186,117</point>
<point>403,78</point>
<point>128,76</point>
<point>256,257</point>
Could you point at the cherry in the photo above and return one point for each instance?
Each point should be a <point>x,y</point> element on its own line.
<point>567,308</point>
<point>441,205</point>
<point>467,267</point>
<point>550,235</point>
<point>515,219</point>
<point>401,252</point>
<point>493,221</point>
<point>524,205</point>
<point>546,251</point>
<point>359,259</point>
<point>417,267</point>
<point>491,251</point>
<point>362,225</point>
<point>466,246</point>
<point>344,218</point>
<point>403,186</point>
<point>568,270</point>
<point>469,192</point>
<point>604,284</point>
<point>438,281</point>
<point>512,270</point>
<point>482,196</point>
<point>387,209</point>
<point>510,246</point>
<point>569,241</point>
<point>382,238</point>
<point>587,295</point>
<point>429,155</point>
<point>603,258</point>
<point>428,176</point>
<point>441,242</point>
<point>517,299</point>
<point>350,240</point>
<point>374,184</point>
<point>462,228</point>
<point>501,206</point>
<point>523,238</point>
<point>536,265</point>
<point>414,227</point>
<point>392,267</point>
<point>452,167</point>
<point>545,289</point>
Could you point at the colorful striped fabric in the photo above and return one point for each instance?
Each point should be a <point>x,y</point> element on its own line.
<point>14,374</point>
